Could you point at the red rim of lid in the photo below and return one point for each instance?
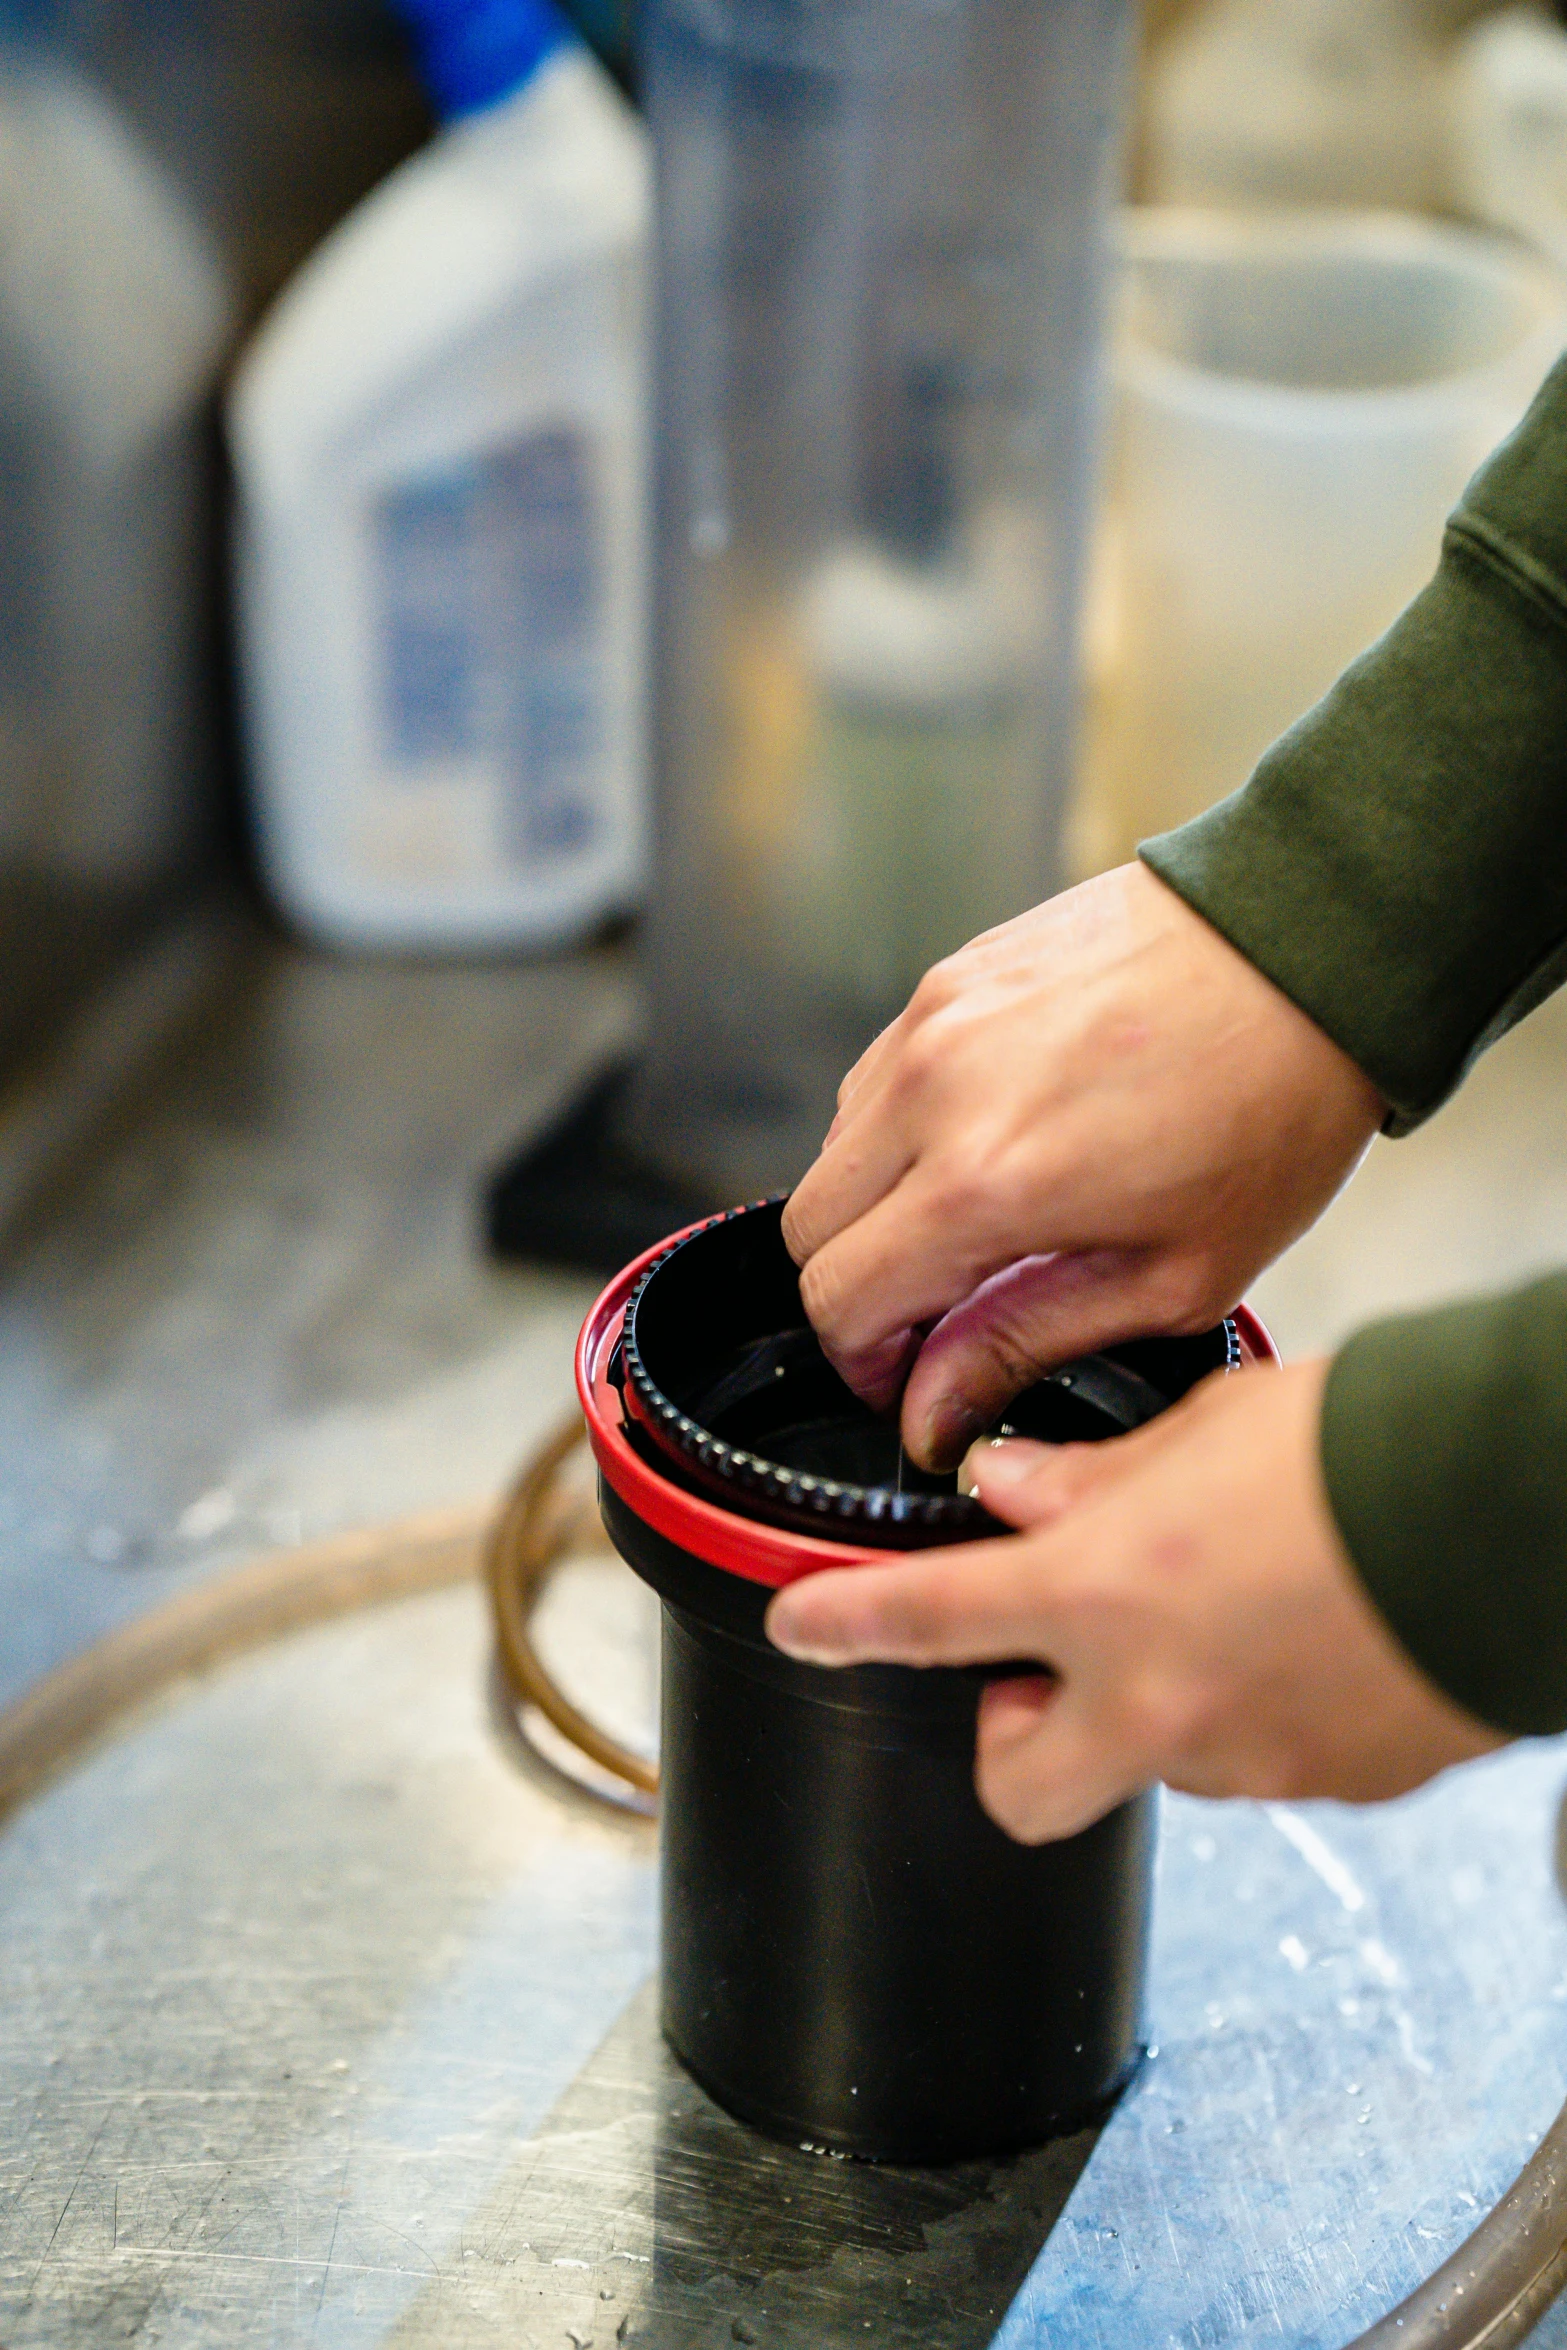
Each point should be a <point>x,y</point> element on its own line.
<point>773,1555</point>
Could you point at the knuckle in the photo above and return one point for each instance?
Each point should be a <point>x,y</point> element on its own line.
<point>1022,1339</point>
<point>921,1056</point>
<point>1013,1361</point>
<point>938,988</point>
<point>822,1291</point>
<point>964,1190</point>
<point>797,1230</point>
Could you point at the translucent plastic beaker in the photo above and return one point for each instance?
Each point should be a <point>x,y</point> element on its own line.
<point>1300,400</point>
<point>878,296</point>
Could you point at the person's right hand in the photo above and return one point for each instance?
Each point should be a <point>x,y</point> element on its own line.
<point>1094,1123</point>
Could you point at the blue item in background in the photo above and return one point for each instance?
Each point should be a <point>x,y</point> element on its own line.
<point>473,53</point>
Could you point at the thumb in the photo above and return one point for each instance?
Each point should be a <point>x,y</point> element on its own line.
<point>1028,1484</point>
<point>1021,1322</point>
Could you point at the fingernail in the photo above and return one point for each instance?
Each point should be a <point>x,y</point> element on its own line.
<point>1007,1462</point>
<point>976,1456</point>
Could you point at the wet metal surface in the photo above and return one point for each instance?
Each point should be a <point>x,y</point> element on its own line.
<point>324,2016</point>
<point>643,2214</point>
<point>327,2019</point>
<point>1361,2023</point>
<point>260,1314</point>
<point>291,1970</point>
<point>293,2054</point>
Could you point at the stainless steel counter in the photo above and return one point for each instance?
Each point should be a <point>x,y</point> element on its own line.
<point>325,2013</point>
<point>258,1311</point>
<point>328,2019</point>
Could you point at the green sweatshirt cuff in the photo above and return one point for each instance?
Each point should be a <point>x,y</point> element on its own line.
<point>1395,864</point>
<point>1444,1447</point>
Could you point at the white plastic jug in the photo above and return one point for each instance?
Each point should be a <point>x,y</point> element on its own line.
<point>438,441</point>
<point>1300,400</point>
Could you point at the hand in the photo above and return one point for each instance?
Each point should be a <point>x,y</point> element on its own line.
<point>1187,1587</point>
<point>1097,1122</point>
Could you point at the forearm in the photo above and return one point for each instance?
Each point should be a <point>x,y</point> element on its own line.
<point>1398,863</point>
<point>1444,1448</point>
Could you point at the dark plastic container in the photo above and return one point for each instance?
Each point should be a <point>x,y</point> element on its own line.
<point>854,1956</point>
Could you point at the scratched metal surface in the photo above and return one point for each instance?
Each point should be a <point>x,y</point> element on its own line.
<point>326,2022</point>
<point>290,1970</point>
<point>259,1315</point>
<point>1361,2024</point>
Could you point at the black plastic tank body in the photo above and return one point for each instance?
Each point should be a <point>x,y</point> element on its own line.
<point>855,1957</point>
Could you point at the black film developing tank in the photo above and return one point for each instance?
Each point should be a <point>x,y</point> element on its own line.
<point>854,1956</point>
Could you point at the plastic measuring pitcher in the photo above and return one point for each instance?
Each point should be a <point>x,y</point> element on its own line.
<point>1300,400</point>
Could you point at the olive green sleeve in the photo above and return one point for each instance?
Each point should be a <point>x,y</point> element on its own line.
<point>1398,862</point>
<point>1398,866</point>
<point>1444,1445</point>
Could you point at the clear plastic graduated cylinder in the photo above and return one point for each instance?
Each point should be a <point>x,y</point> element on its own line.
<point>880,272</point>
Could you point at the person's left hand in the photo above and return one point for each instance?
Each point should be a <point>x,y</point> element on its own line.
<point>1187,1589</point>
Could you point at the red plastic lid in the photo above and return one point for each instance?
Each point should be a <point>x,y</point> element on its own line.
<point>743,1546</point>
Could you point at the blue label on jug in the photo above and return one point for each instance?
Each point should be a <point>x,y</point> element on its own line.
<point>490,588</point>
